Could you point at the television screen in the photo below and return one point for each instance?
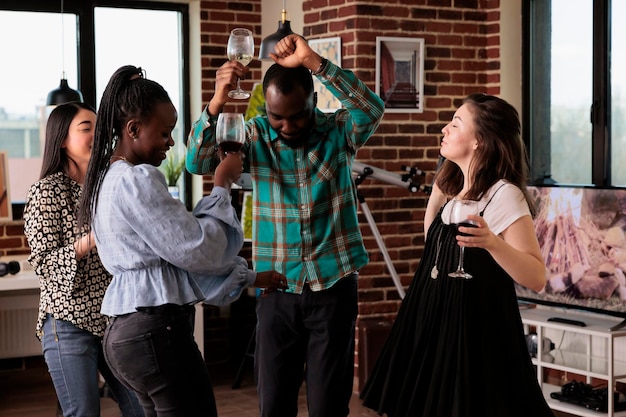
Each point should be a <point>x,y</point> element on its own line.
<point>581,234</point>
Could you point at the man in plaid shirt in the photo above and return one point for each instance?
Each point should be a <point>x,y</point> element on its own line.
<point>305,222</point>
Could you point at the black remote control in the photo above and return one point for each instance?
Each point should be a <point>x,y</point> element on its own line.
<point>568,321</point>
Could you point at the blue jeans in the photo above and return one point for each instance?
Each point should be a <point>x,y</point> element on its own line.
<point>153,352</point>
<point>74,356</point>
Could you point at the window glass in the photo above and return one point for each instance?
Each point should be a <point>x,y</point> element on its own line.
<point>36,50</point>
<point>618,93</point>
<point>571,91</point>
<point>150,39</point>
<point>40,47</point>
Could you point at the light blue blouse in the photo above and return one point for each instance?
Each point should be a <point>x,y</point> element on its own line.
<point>157,251</point>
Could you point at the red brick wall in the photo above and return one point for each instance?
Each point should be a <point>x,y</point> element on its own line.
<point>462,56</point>
<point>462,39</point>
<point>12,240</point>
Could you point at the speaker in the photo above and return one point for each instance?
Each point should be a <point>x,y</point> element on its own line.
<point>12,267</point>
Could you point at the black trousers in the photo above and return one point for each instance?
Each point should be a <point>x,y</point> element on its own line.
<point>306,337</point>
<point>154,353</point>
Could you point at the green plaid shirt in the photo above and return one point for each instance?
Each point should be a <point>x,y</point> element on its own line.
<point>305,204</point>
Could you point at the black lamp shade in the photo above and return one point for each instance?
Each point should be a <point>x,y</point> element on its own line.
<point>63,94</point>
<point>268,44</point>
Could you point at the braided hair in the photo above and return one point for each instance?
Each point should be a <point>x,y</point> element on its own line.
<point>128,95</point>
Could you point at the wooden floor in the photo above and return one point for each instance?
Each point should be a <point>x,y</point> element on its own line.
<point>26,391</point>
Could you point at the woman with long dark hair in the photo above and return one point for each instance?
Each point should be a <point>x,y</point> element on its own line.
<point>71,276</point>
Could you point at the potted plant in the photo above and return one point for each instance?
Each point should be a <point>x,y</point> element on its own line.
<point>172,167</point>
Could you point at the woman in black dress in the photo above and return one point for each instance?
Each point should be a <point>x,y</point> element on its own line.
<point>457,346</point>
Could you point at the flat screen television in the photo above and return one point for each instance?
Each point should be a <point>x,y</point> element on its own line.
<point>581,231</point>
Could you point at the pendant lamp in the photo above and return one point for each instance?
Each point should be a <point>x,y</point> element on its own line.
<point>63,94</point>
<point>284,29</point>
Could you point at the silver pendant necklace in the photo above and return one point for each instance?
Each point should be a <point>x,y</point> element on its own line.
<point>434,273</point>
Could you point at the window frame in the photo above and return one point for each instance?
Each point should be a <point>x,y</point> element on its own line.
<point>536,27</point>
<point>84,9</point>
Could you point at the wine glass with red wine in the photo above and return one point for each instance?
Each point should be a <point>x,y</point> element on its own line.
<point>230,132</point>
<point>461,209</point>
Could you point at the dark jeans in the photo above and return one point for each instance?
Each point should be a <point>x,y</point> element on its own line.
<point>153,352</point>
<point>306,337</point>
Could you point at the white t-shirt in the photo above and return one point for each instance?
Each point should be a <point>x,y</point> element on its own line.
<point>508,205</point>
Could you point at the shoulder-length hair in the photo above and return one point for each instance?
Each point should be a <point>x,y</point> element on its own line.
<point>501,153</point>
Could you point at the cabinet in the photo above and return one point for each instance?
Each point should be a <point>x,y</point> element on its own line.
<point>598,363</point>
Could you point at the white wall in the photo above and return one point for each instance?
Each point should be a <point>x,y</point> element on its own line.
<point>511,52</point>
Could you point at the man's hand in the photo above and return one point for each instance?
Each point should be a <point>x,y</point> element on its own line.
<point>271,280</point>
<point>293,51</point>
<point>225,80</point>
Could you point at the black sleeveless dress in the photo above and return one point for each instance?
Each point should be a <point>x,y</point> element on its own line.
<point>457,346</point>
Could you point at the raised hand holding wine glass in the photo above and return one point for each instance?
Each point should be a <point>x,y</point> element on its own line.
<point>461,210</point>
<point>241,49</point>
<point>230,132</point>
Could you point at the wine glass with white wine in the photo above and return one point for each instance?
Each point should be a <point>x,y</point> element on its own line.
<point>241,49</point>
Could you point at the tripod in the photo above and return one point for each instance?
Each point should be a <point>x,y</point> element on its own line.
<point>367,171</point>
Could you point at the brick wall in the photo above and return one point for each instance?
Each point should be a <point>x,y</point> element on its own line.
<point>12,240</point>
<point>462,56</point>
<point>462,50</point>
<point>462,39</point>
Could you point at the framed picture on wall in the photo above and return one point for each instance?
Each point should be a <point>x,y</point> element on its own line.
<point>5,197</point>
<point>329,48</point>
<point>400,73</point>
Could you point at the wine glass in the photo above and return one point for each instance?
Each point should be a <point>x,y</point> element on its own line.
<point>461,209</point>
<point>230,132</point>
<point>241,49</point>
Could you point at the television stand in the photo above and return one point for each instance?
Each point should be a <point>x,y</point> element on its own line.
<point>618,326</point>
<point>591,357</point>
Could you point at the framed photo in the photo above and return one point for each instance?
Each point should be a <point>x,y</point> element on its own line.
<point>5,197</point>
<point>400,74</point>
<point>246,216</point>
<point>329,48</point>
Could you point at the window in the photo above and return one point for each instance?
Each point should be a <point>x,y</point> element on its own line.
<point>575,101</point>
<point>96,41</point>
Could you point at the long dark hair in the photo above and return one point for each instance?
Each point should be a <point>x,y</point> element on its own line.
<point>55,158</point>
<point>128,95</point>
<point>501,153</point>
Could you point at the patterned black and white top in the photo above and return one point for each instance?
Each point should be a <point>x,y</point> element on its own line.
<point>71,289</point>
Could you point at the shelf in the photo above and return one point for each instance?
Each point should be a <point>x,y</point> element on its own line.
<point>597,325</point>
<point>593,366</point>
<point>584,364</point>
<point>25,280</point>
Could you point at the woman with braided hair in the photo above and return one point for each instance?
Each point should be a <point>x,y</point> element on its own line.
<point>163,258</point>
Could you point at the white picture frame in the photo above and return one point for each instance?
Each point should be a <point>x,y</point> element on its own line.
<point>329,48</point>
<point>400,73</point>
<point>6,213</point>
